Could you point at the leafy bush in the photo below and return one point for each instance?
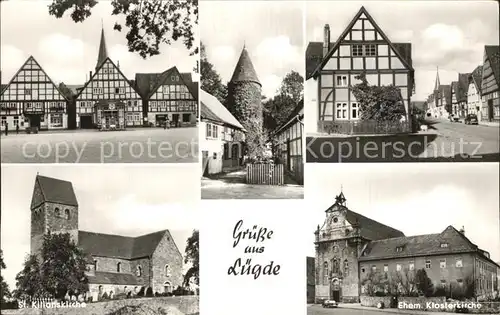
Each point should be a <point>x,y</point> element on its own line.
<point>424,283</point>
<point>380,293</point>
<point>141,292</point>
<point>439,291</point>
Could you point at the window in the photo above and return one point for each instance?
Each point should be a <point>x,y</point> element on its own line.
<point>458,263</point>
<point>364,50</point>
<point>209,131</point>
<point>460,282</point>
<point>346,267</point>
<point>56,120</point>
<point>357,50</point>
<point>354,110</point>
<point>138,271</point>
<point>386,268</point>
<point>98,90</point>
<point>325,272</point>
<point>443,283</point>
<point>442,263</point>
<point>167,271</point>
<point>370,50</point>
<point>120,90</point>
<point>399,249</point>
<point>374,268</point>
<point>444,245</point>
<point>363,270</point>
<point>215,131</point>
<point>56,212</point>
<point>67,214</point>
<point>398,267</point>
<point>27,92</point>
<point>118,267</point>
<point>411,266</point>
<point>341,111</point>
<point>95,265</point>
<point>341,81</point>
<point>335,220</point>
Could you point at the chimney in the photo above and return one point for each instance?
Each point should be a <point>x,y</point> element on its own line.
<point>118,64</point>
<point>462,230</point>
<point>90,75</point>
<point>326,40</point>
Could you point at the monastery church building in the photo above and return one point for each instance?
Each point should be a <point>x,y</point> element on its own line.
<point>115,264</point>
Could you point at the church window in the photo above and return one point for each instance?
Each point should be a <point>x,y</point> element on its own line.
<point>167,287</point>
<point>118,267</point>
<point>335,220</point>
<point>67,214</point>
<point>138,271</point>
<point>57,212</point>
<point>335,266</point>
<point>325,272</point>
<point>167,271</point>
<point>346,267</point>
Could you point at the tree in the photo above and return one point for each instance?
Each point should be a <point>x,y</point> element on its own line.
<point>373,283</point>
<point>379,103</point>
<point>29,283</point>
<point>4,287</point>
<point>406,282</point>
<point>62,270</point>
<point>211,81</point>
<point>424,283</point>
<point>293,86</point>
<point>150,22</point>
<point>193,257</point>
<point>65,91</point>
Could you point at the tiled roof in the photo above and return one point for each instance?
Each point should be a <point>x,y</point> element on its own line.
<point>102,277</point>
<point>147,83</point>
<point>463,86</point>
<point>477,77</point>
<point>445,91</point>
<point>493,55</point>
<point>421,245</point>
<point>212,109</point>
<point>117,246</point>
<point>371,229</point>
<point>454,88</point>
<point>57,190</point>
<point>74,88</point>
<point>244,70</point>
<point>314,54</point>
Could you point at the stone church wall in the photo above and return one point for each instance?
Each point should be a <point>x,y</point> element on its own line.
<point>166,254</point>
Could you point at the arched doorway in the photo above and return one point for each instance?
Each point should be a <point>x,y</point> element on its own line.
<point>167,287</point>
<point>335,289</point>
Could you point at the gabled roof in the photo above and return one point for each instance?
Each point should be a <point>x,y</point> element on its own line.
<point>212,109</point>
<point>477,77</point>
<point>493,55</point>
<point>445,91</point>
<point>41,69</point>
<point>148,83</point>
<point>3,86</point>
<point>244,70</point>
<point>117,246</point>
<point>55,190</point>
<point>115,278</point>
<point>361,11</point>
<point>463,86</point>
<point>420,245</point>
<point>371,229</point>
<point>97,71</point>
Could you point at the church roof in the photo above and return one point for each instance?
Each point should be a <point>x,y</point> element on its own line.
<point>102,277</point>
<point>212,109</point>
<point>420,245</point>
<point>117,246</point>
<point>103,51</point>
<point>56,191</point>
<point>244,70</point>
<point>371,229</point>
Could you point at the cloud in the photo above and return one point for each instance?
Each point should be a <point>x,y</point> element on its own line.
<point>62,48</point>
<point>270,85</point>
<point>221,53</point>
<point>12,60</point>
<point>278,51</point>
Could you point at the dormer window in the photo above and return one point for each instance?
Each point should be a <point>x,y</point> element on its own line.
<point>444,245</point>
<point>399,249</point>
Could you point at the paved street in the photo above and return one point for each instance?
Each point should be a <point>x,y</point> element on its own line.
<point>232,186</point>
<point>443,142</point>
<point>319,310</point>
<point>178,145</point>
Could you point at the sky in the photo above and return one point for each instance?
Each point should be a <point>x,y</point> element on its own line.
<point>119,202</point>
<point>272,32</point>
<point>450,35</point>
<point>68,51</point>
<point>416,198</point>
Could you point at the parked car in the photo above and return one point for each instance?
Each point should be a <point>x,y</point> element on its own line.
<point>471,119</point>
<point>453,118</point>
<point>330,304</point>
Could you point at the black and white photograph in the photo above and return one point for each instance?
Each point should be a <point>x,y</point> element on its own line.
<point>251,100</point>
<point>99,81</point>
<point>385,86</point>
<point>97,240</point>
<point>406,242</point>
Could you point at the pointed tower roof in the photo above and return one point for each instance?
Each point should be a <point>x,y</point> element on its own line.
<point>244,70</point>
<point>437,83</point>
<point>103,51</point>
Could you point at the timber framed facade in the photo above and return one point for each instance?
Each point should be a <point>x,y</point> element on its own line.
<point>31,99</point>
<point>361,48</point>
<point>490,91</point>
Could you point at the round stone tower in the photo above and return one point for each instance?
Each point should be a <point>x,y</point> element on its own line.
<point>245,103</point>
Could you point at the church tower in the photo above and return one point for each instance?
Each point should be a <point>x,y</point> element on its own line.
<point>103,51</point>
<point>245,102</point>
<point>54,209</point>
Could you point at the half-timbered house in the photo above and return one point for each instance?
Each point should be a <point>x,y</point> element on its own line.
<point>474,103</point>
<point>332,68</point>
<point>287,143</point>
<point>490,84</point>
<point>222,136</point>
<point>31,99</point>
<point>108,99</point>
<point>169,96</point>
